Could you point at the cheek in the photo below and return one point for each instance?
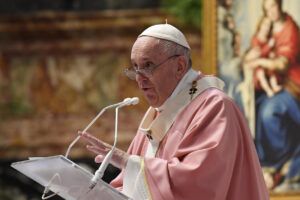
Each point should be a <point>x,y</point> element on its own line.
<point>165,85</point>
<point>274,13</point>
<point>159,85</point>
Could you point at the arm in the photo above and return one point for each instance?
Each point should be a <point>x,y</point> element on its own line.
<point>252,53</point>
<point>275,64</point>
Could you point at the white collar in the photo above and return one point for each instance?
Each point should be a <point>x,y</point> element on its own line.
<point>158,127</point>
<point>186,81</point>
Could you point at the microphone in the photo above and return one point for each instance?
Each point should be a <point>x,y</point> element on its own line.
<point>100,172</point>
<point>125,102</point>
<point>129,101</point>
<point>135,100</point>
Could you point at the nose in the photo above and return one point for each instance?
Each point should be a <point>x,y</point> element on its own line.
<point>140,77</point>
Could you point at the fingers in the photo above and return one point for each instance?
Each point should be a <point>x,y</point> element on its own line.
<point>97,150</point>
<point>90,138</point>
<point>93,149</point>
<point>93,140</point>
<point>119,158</point>
<point>101,149</point>
<point>99,158</point>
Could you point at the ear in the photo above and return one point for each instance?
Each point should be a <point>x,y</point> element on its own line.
<point>181,67</point>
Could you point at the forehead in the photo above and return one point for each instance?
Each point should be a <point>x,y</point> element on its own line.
<point>269,3</point>
<point>146,46</point>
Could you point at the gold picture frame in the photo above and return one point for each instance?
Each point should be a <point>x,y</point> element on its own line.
<point>209,37</point>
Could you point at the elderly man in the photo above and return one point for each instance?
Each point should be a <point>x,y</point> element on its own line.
<point>193,142</point>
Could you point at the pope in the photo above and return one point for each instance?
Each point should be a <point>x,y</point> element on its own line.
<point>193,142</point>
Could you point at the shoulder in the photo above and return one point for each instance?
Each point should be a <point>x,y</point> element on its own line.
<point>213,95</point>
<point>290,22</point>
<point>210,101</point>
<point>213,110</point>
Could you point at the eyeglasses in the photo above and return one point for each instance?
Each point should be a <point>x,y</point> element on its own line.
<point>146,71</point>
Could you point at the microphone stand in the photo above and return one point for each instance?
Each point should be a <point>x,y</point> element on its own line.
<point>93,121</point>
<point>100,172</point>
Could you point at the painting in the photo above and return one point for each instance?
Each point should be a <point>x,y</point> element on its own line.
<point>253,46</point>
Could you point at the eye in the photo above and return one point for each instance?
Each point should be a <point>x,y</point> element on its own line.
<point>134,66</point>
<point>148,65</point>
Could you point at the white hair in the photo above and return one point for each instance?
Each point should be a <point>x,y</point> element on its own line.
<point>171,48</point>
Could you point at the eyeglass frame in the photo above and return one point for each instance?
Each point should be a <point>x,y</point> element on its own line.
<point>132,72</point>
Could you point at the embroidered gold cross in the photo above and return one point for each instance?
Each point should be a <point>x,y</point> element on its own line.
<point>193,89</point>
<point>149,135</point>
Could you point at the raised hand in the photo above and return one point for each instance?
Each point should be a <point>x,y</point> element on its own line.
<point>119,158</point>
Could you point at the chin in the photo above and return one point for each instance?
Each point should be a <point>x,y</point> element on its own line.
<point>153,102</point>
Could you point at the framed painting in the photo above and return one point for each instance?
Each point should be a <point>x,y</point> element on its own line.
<point>242,39</point>
<point>227,29</point>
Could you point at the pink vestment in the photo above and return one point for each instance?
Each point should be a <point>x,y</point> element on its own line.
<point>207,153</point>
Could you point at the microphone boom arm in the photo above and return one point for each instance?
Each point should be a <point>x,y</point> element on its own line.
<point>127,101</point>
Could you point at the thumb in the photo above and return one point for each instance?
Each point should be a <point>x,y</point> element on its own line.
<point>99,158</point>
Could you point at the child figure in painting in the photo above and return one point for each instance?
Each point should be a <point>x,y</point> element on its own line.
<point>262,46</point>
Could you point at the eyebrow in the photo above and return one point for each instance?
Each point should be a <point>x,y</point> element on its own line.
<point>143,59</point>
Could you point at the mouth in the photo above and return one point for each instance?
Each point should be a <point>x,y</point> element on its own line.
<point>145,89</point>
